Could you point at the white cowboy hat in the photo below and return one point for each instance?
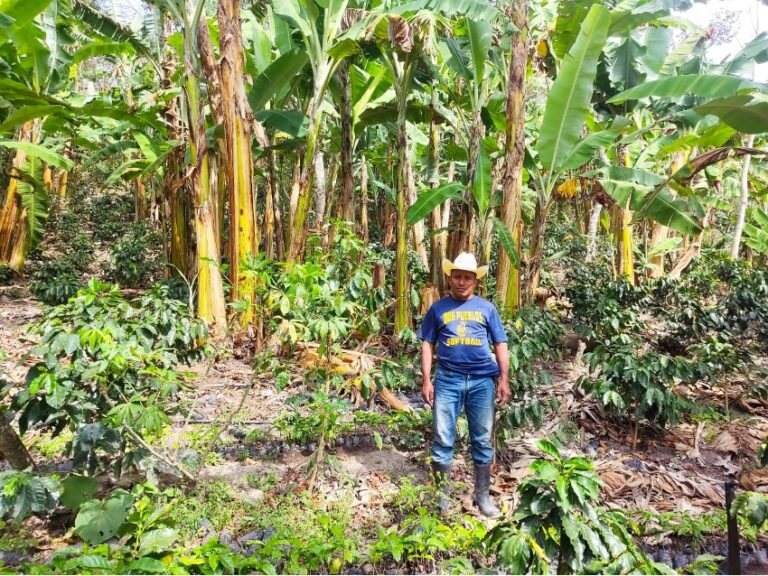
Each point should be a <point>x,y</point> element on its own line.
<point>464,261</point>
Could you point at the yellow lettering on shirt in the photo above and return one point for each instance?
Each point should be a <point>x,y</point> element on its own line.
<point>464,342</point>
<point>462,316</point>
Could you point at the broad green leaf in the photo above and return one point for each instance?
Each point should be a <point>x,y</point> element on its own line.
<point>22,12</point>
<point>682,53</point>
<point>570,16</point>
<point>291,11</point>
<point>480,36</point>
<point>95,561</point>
<point>474,9</point>
<point>665,246</point>
<point>507,241</point>
<point>624,71</point>
<point>657,42</point>
<point>76,490</point>
<point>754,52</point>
<point>429,198</point>
<point>571,93</point>
<point>737,112</point>
<point>482,180</point>
<point>292,122</point>
<point>157,540</point>
<point>103,48</point>
<point>276,78</point>
<point>586,148</point>
<point>572,531</point>
<point>147,147</point>
<point>98,520</point>
<point>45,154</point>
<point>548,448</point>
<point>344,49</point>
<point>22,115</point>
<point>127,170</point>
<point>700,85</point>
<point>625,22</point>
<point>146,566</point>
<point>111,29</point>
<point>675,213</point>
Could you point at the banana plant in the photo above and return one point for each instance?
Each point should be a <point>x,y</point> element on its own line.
<point>327,44</point>
<point>560,147</point>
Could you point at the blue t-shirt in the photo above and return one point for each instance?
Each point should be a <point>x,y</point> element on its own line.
<point>463,331</point>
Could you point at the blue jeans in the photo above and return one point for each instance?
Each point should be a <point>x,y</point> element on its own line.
<point>455,392</point>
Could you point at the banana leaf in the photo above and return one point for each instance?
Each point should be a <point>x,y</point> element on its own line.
<point>571,94</point>
<point>428,199</point>
<point>739,113</point>
<point>701,85</point>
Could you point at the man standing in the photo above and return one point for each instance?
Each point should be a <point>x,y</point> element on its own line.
<point>463,327</point>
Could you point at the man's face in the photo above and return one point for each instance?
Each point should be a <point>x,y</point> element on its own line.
<point>462,284</point>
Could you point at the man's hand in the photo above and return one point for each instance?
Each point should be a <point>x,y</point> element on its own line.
<point>502,391</point>
<point>427,391</point>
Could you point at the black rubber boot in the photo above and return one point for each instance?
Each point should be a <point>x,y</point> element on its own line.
<point>482,486</point>
<point>441,476</point>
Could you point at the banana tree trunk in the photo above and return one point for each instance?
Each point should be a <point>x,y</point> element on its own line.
<point>594,220</point>
<point>436,222</point>
<point>463,233</point>
<point>402,304</point>
<point>346,207</point>
<point>508,276</point>
<point>537,244</point>
<point>621,223</point>
<point>10,215</point>
<point>417,230</point>
<point>303,186</point>
<point>210,293</point>
<point>12,448</point>
<point>741,211</point>
<point>624,258</point>
<point>176,196</point>
<point>364,199</point>
<point>321,200</point>
<point>19,245</point>
<point>140,200</point>
<point>278,234</point>
<point>239,161</point>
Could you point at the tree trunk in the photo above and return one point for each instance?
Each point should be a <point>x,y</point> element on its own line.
<point>508,276</point>
<point>300,213</point>
<point>239,162</point>
<point>402,304</point>
<point>364,199</point>
<point>624,258</point>
<point>621,223</point>
<point>463,231</point>
<point>537,245</point>
<point>346,207</point>
<point>417,230</point>
<point>11,232</point>
<point>320,189</point>
<point>741,212</point>
<point>177,212</point>
<point>433,169</point>
<point>12,448</point>
<point>210,293</point>
<point>594,220</point>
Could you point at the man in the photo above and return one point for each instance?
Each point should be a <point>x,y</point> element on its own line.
<point>462,327</point>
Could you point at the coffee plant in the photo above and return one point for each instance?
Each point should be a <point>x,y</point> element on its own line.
<point>134,258</point>
<point>107,372</point>
<point>55,281</point>
<point>559,524</point>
